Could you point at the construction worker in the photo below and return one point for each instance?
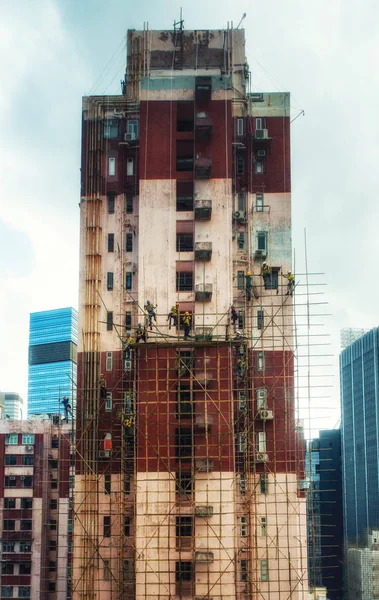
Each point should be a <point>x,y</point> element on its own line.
<point>240,367</point>
<point>187,320</point>
<point>248,285</point>
<point>234,317</point>
<point>128,341</point>
<point>173,316</point>
<point>66,407</point>
<point>150,309</point>
<point>265,270</point>
<point>103,387</point>
<point>141,333</point>
<point>291,283</point>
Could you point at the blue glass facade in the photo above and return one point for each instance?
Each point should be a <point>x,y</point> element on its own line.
<point>360,431</point>
<point>53,337</point>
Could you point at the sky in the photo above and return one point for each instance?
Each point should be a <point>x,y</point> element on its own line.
<point>325,53</point>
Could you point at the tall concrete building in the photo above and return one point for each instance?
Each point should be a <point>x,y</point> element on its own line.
<point>35,526</point>
<point>53,338</point>
<point>13,405</point>
<point>189,454</point>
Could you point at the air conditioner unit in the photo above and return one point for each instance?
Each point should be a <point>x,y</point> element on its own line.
<point>265,415</point>
<point>239,215</point>
<point>13,477</point>
<point>128,365</point>
<point>261,457</point>
<point>261,134</point>
<point>104,454</point>
<point>130,137</point>
<point>260,254</point>
<point>261,153</point>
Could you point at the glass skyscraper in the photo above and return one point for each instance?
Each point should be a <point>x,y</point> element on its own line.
<point>53,338</point>
<point>360,436</point>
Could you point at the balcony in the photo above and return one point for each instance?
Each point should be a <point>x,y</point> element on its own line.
<point>203,334</point>
<point>203,210</point>
<point>203,465</point>
<point>204,511</point>
<point>203,168</point>
<point>203,250</point>
<point>203,423</point>
<point>203,126</point>
<point>203,556</point>
<point>203,292</point>
<point>203,89</point>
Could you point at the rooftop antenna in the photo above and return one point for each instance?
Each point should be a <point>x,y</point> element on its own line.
<point>243,17</point>
<point>181,21</point>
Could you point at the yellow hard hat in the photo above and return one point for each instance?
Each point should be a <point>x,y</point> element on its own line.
<point>248,273</point>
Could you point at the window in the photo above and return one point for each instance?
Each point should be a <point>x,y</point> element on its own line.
<point>243,526</point>
<point>109,281</point>
<point>129,242</point>
<point>53,545</point>
<point>184,203</point>
<point>239,126</point>
<point>25,547</point>
<point>260,361</point>
<point>109,361</point>
<point>184,155</point>
<point>8,547</point>
<point>271,280</point>
<point>184,242</point>
<point>129,280</point>
<point>242,442</point>
<point>262,241</point>
<point>128,320</point>
<point>184,571</point>
<point>106,527</point>
<point>7,568</point>
<point>111,166</point>
<point>25,568</point>
<point>28,438</point>
<point>55,441</point>
<point>53,524</point>
<point>54,464</point>
<point>127,484</point>
<point>261,398</point>
<point>51,586</point>
<point>184,282</point>
<point>53,504</point>
<point>184,526</point>
<point>259,202</point>
<point>26,525</point>
<point>244,570</point>
<point>260,319</point>
<point>126,526</point>
<point>241,319</point>
<point>111,204</point>
<point>111,129</point>
<point>11,459</point>
<point>263,523</point>
<point>11,439</point>
<point>110,242</point>
<point>107,570</point>
<point>52,566</point>
<point>128,570</point>
<point>242,485</point>
<point>240,280</point>
<point>262,441</point>
<point>241,199</point>
<point>241,240</point>
<point>108,402</point>
<point>129,167</point>
<point>9,503</point>
<point>184,406</point>
<point>258,123</point>
<point>107,483</point>
<point>28,460</point>
<point>26,503</point>
<point>23,591</point>
<point>129,205</point>
<point>264,570</point>
<point>9,481</point>
<point>109,321</point>
<point>133,128</point>
<point>71,482</point>
<point>7,591</point>
<point>259,167</point>
<point>240,165</point>
<point>184,443</point>
<point>184,116</point>
<point>26,481</point>
<point>184,483</point>
<point>69,526</point>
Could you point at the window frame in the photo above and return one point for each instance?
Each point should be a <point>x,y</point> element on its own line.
<point>109,361</point>
<point>110,278</point>
<point>109,320</point>
<point>107,527</point>
<point>129,242</point>
<point>8,503</point>
<point>111,202</point>
<point>260,319</point>
<point>28,439</point>
<point>241,241</point>
<point>111,129</point>
<point>8,479</point>
<point>240,165</point>
<point>184,203</point>
<point>264,570</point>
<point>26,524</point>
<point>244,526</point>
<point>240,280</point>
<point>260,360</point>
<point>107,483</point>
<point>7,522</point>
<point>240,127</point>
<point>129,205</point>
<point>8,546</point>
<point>108,406</point>
<point>182,285</point>
<point>11,439</point>
<point>111,166</point>
<point>261,441</point>
<point>26,591</point>
<point>11,460</point>
<point>259,202</point>
<point>185,526</point>
<point>110,242</point>
<point>129,166</point>
<point>259,123</point>
<point>28,501</point>
<point>27,460</point>
<point>261,236</point>
<point>259,167</point>
<point>261,395</point>
<point>129,280</point>
<point>185,242</point>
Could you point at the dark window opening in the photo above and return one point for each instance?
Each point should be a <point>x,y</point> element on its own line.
<point>26,503</point>
<point>271,280</point>
<point>241,240</point>
<point>129,242</point>
<point>28,460</point>
<point>9,503</point>
<point>26,525</point>
<point>184,242</point>
<point>126,526</point>
<point>11,459</point>
<point>111,204</point>
<point>184,282</point>
<point>109,321</point>
<point>241,319</point>
<point>106,527</point>
<point>262,240</point>
<point>109,281</point>
<point>184,526</point>
<point>184,571</point>
<point>8,525</point>
<point>240,280</point>
<point>52,566</point>
<point>184,407</point>
<point>7,568</point>
<point>184,195</point>
<point>184,483</point>
<point>110,242</point>
<point>184,203</point>
<point>184,155</point>
<point>53,504</point>
<point>260,319</point>
<point>184,116</point>
<point>25,568</point>
<point>263,483</point>
<point>184,443</point>
<point>128,280</point>
<point>53,545</point>
<point>240,165</point>
<point>111,129</point>
<point>107,483</point>
<point>128,320</point>
<point>51,586</point>
<point>244,570</point>
<point>9,481</point>
<point>26,481</point>
<point>27,546</point>
<point>129,205</point>
<point>55,442</point>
